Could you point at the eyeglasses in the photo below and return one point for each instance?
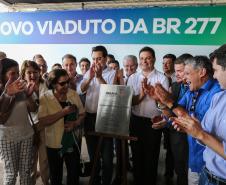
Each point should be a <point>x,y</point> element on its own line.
<point>63,83</point>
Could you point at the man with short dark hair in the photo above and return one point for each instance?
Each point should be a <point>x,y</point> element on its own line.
<point>42,65</point>
<point>169,72</point>
<point>178,140</point>
<point>168,67</point>
<point>69,63</point>
<point>146,149</point>
<point>110,58</point>
<point>114,65</point>
<point>98,74</point>
<point>84,65</point>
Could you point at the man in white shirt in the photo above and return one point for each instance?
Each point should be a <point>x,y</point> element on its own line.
<point>168,67</point>
<point>146,149</point>
<point>98,74</point>
<point>130,66</point>
<point>69,63</point>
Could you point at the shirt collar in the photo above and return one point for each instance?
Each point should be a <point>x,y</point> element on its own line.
<point>208,84</point>
<point>150,74</point>
<point>107,69</point>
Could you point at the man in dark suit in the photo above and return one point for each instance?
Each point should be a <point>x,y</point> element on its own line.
<point>178,140</point>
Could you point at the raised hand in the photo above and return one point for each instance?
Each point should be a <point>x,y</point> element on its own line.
<point>158,122</point>
<point>188,124</point>
<point>118,79</point>
<point>149,89</point>
<point>180,112</point>
<point>143,89</point>
<point>162,94</point>
<point>92,72</point>
<point>30,88</point>
<point>98,70</point>
<point>13,87</point>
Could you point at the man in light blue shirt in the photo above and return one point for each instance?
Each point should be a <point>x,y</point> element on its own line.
<point>212,131</point>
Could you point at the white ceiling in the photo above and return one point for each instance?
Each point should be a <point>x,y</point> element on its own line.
<point>40,5</point>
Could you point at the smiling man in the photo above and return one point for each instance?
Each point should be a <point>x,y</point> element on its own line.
<point>211,131</point>
<point>98,74</point>
<point>196,101</point>
<point>145,151</point>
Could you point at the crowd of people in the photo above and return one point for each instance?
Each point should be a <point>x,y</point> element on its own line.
<point>44,115</point>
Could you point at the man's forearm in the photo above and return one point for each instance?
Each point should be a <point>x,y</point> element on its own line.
<point>137,99</point>
<point>212,142</point>
<point>101,80</point>
<point>85,85</point>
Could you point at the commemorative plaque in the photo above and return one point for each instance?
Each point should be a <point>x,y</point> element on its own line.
<point>114,109</point>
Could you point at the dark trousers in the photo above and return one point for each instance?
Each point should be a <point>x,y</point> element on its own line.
<point>169,163</point>
<point>72,162</point>
<point>179,148</point>
<point>119,166</point>
<point>105,163</point>
<point>145,150</point>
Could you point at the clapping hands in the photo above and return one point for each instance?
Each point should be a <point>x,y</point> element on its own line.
<point>157,92</point>
<point>95,70</point>
<point>188,124</point>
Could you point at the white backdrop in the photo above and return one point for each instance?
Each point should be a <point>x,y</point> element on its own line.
<point>53,53</point>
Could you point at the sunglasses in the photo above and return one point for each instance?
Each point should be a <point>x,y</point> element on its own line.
<point>63,83</point>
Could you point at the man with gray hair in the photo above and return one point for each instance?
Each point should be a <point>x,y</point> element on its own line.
<point>202,87</point>
<point>130,66</point>
<point>211,131</point>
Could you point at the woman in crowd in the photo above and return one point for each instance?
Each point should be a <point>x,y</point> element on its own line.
<point>30,72</point>
<point>61,112</point>
<point>16,133</point>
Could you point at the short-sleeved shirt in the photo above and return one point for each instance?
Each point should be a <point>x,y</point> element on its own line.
<point>205,95</point>
<point>93,91</point>
<point>49,105</point>
<point>17,126</point>
<point>147,107</point>
<point>214,122</point>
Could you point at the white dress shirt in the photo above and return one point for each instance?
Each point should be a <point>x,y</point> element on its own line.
<point>147,107</point>
<point>92,93</point>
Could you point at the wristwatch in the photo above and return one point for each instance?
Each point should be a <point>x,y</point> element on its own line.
<point>160,106</point>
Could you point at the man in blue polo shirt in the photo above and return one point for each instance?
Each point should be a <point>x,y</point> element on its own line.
<point>212,130</point>
<point>196,101</point>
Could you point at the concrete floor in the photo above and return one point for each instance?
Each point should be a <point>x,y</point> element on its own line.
<point>85,180</point>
